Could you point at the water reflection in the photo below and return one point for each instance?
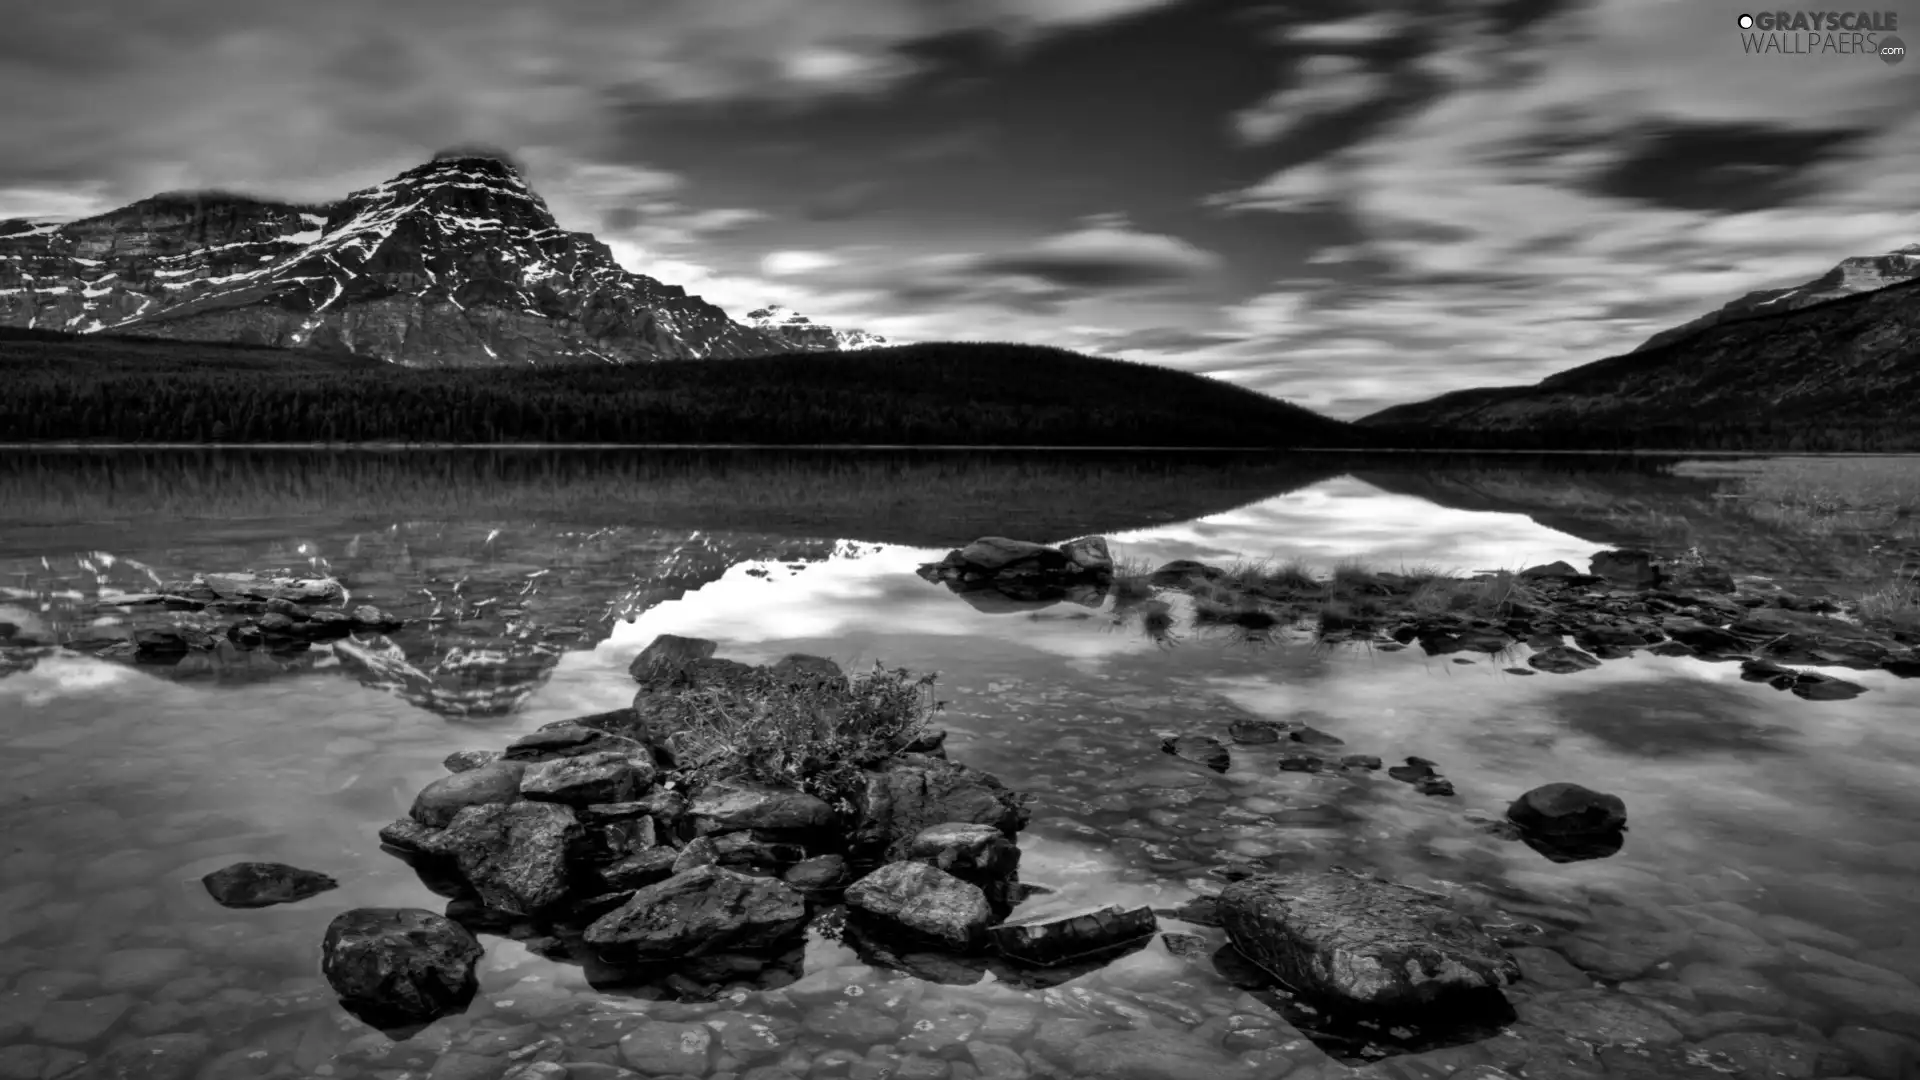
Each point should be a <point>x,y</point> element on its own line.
<point>1771,840</point>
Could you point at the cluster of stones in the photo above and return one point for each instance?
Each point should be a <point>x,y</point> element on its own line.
<point>278,613</point>
<point>1628,602</point>
<point>589,840</point>
<point>995,574</point>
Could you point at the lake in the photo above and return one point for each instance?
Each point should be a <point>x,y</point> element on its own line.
<point>1759,921</point>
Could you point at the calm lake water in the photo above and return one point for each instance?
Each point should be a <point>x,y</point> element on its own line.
<point>1760,921</point>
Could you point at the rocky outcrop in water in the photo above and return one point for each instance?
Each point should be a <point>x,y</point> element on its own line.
<point>996,574</point>
<point>263,884</point>
<point>396,967</point>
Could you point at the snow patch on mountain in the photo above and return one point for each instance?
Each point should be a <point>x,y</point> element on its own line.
<point>801,334</point>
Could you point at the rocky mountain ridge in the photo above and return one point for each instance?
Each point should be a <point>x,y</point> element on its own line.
<point>1861,273</point>
<point>800,333</point>
<point>456,262</point>
<point>1841,362</point>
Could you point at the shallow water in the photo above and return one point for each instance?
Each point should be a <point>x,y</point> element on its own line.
<point>1759,921</point>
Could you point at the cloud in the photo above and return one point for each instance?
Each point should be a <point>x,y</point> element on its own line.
<point>794,263</point>
<point>1323,86</point>
<point>1103,256</point>
<point>1359,30</point>
<point>304,101</point>
<point>1571,188</point>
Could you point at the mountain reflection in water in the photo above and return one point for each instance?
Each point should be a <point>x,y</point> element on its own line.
<point>1760,904</point>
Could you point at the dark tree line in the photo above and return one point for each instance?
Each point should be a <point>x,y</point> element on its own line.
<point>966,394</point>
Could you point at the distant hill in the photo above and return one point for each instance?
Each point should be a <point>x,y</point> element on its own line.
<point>1862,273</point>
<point>69,387</point>
<point>1837,374</point>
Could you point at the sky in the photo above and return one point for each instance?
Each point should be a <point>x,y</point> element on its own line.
<point>1344,204</point>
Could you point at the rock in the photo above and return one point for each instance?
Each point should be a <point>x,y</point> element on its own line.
<point>142,969</point>
<point>1721,987</point>
<point>1772,1057</point>
<point>399,966</point>
<point>468,760</point>
<point>1142,1054</point>
<point>723,807</point>
<point>999,555</point>
<point>77,1022</point>
<point>1361,940</point>
<point>1880,1055</point>
<point>1702,578</point>
<point>798,667</point>
<point>924,901</point>
<point>157,1057</point>
<point>1256,732</point>
<point>663,1048</point>
<point>409,835</point>
<point>566,740</point>
<point>1361,761</point>
<point>515,855</point>
<point>1314,737</point>
<point>1562,660</point>
<point>366,617</point>
<point>640,869</point>
<point>604,776</point>
<point>819,872</point>
<point>1301,762</point>
<point>1181,572</point>
<point>1568,809</point>
<point>1817,687</point>
<point>704,910</point>
<point>971,852</point>
<point>263,884</point>
<point>1623,954</point>
<point>438,802</point>
<point>1548,970</point>
<point>1049,938</point>
<point>666,655</point>
<point>1089,553</point>
<point>1627,567</point>
<point>912,794</point>
<point>1200,749</point>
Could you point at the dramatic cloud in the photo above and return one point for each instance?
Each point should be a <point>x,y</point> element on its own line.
<point>1103,256</point>
<point>1322,86</point>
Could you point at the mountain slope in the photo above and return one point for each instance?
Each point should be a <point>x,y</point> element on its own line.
<point>1849,362</point>
<point>455,262</point>
<point>801,334</point>
<point>1863,273</point>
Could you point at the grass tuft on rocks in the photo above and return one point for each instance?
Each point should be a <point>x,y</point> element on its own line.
<point>808,732</point>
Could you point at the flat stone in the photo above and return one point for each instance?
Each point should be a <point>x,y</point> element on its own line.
<point>1055,938</point>
<point>157,1057</point>
<point>703,910</point>
<point>604,776</point>
<point>76,1023</point>
<point>495,782</point>
<point>263,884</point>
<point>515,855</point>
<point>925,901</point>
<point>142,969</point>
<point>1360,940</point>
<point>1597,1016</point>
<point>965,850</point>
<point>728,806</point>
<point>1562,660</point>
<point>662,1048</point>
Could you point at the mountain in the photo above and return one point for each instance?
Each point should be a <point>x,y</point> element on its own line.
<point>1862,273</point>
<point>456,262</point>
<point>801,334</point>
<point>1850,364</point>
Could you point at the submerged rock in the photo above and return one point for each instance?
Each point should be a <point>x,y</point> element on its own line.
<point>1361,941</point>
<point>924,901</point>
<point>263,884</point>
<point>704,910</point>
<point>1257,732</point>
<point>398,966</point>
<point>1055,938</point>
<point>1199,749</point>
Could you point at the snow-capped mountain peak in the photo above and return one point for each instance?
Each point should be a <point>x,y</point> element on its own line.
<point>800,333</point>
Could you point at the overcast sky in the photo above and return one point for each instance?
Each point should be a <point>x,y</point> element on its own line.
<point>1345,204</point>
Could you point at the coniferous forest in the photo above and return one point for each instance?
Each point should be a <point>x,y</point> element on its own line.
<point>62,388</point>
<point>73,388</point>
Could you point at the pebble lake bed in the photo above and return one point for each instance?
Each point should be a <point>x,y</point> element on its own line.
<point>1190,774</point>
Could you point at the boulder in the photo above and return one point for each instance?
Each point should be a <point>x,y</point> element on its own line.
<point>727,806</point>
<point>817,873</point>
<point>800,667</point>
<point>604,776</point>
<point>1553,571</point>
<point>915,792</point>
<point>703,910</point>
<point>1361,941</point>
<point>469,760</point>
<point>495,782</point>
<point>666,655</point>
<point>999,555</point>
<point>263,884</point>
<point>1627,566</point>
<point>1256,732</point>
<point>925,902</point>
<point>408,835</point>
<point>1089,553</point>
<point>965,850</point>
<point>640,869</point>
<point>396,966</point>
<point>1049,938</point>
<point>515,855</point>
<point>1568,809</point>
